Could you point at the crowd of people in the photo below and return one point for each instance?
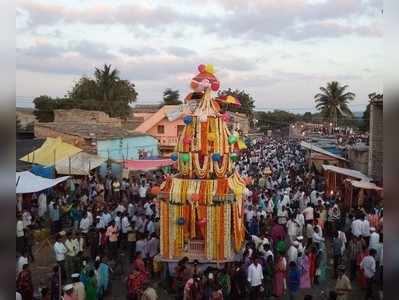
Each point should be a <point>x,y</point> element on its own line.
<point>94,222</point>
<point>297,237</point>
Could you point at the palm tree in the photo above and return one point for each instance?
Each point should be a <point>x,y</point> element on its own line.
<point>333,101</point>
<point>171,97</point>
<point>106,81</point>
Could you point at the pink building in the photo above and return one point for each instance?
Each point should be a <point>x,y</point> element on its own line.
<point>165,125</point>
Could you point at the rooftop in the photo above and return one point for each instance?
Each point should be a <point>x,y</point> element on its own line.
<point>146,108</point>
<point>88,131</point>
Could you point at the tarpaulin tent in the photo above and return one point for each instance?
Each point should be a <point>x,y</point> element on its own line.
<point>146,164</point>
<point>42,171</point>
<point>366,185</point>
<point>52,150</point>
<point>346,172</point>
<point>26,182</point>
<point>79,164</point>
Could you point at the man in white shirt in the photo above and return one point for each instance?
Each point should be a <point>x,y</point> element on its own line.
<point>22,260</point>
<point>130,209</point>
<point>85,224</point>
<point>356,227</point>
<point>90,216</point>
<point>374,239</point>
<point>317,237</point>
<point>367,265</point>
<point>26,218</point>
<point>365,229</point>
<point>300,220</point>
<point>292,252</point>
<point>301,249</point>
<point>118,220</point>
<point>42,202</point>
<point>72,246</point>
<point>313,197</point>
<point>249,214</point>
<point>308,213</point>
<point>143,191</point>
<point>255,277</point>
<point>292,229</point>
<point>60,250</point>
<point>286,199</point>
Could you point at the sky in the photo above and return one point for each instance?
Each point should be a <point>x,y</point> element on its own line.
<point>279,51</point>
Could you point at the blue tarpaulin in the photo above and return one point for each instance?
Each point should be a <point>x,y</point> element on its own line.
<point>47,172</point>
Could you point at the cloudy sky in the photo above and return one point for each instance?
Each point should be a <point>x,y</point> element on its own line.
<point>280,51</point>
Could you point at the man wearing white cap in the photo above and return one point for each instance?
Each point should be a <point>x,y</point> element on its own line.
<point>79,292</point>
<point>292,253</point>
<point>68,292</point>
<point>300,246</point>
<point>374,239</point>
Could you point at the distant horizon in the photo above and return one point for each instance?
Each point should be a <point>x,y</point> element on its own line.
<point>24,104</point>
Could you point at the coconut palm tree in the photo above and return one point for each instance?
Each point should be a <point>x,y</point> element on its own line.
<point>333,101</point>
<point>106,80</point>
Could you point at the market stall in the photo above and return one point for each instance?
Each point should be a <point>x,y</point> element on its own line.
<point>362,193</point>
<point>335,178</point>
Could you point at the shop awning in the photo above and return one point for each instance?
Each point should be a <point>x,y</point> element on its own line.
<point>26,182</point>
<point>147,164</point>
<point>366,185</point>
<point>79,164</point>
<point>346,172</point>
<point>52,151</point>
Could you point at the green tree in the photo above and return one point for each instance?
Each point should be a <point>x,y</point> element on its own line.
<point>276,119</point>
<point>105,92</point>
<point>44,108</point>
<point>307,117</point>
<point>171,97</point>
<point>246,101</point>
<point>333,102</point>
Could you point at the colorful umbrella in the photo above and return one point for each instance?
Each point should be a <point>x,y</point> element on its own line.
<point>228,99</point>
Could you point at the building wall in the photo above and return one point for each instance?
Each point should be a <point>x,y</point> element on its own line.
<point>375,168</point>
<point>240,121</point>
<point>169,137</point>
<point>145,116</point>
<point>359,159</point>
<point>25,118</point>
<point>85,116</point>
<point>127,148</point>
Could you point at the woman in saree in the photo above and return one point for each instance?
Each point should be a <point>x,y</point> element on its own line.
<point>102,275</point>
<point>312,264</point>
<point>91,286</point>
<point>279,283</point>
<point>304,269</point>
<point>321,271</point>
